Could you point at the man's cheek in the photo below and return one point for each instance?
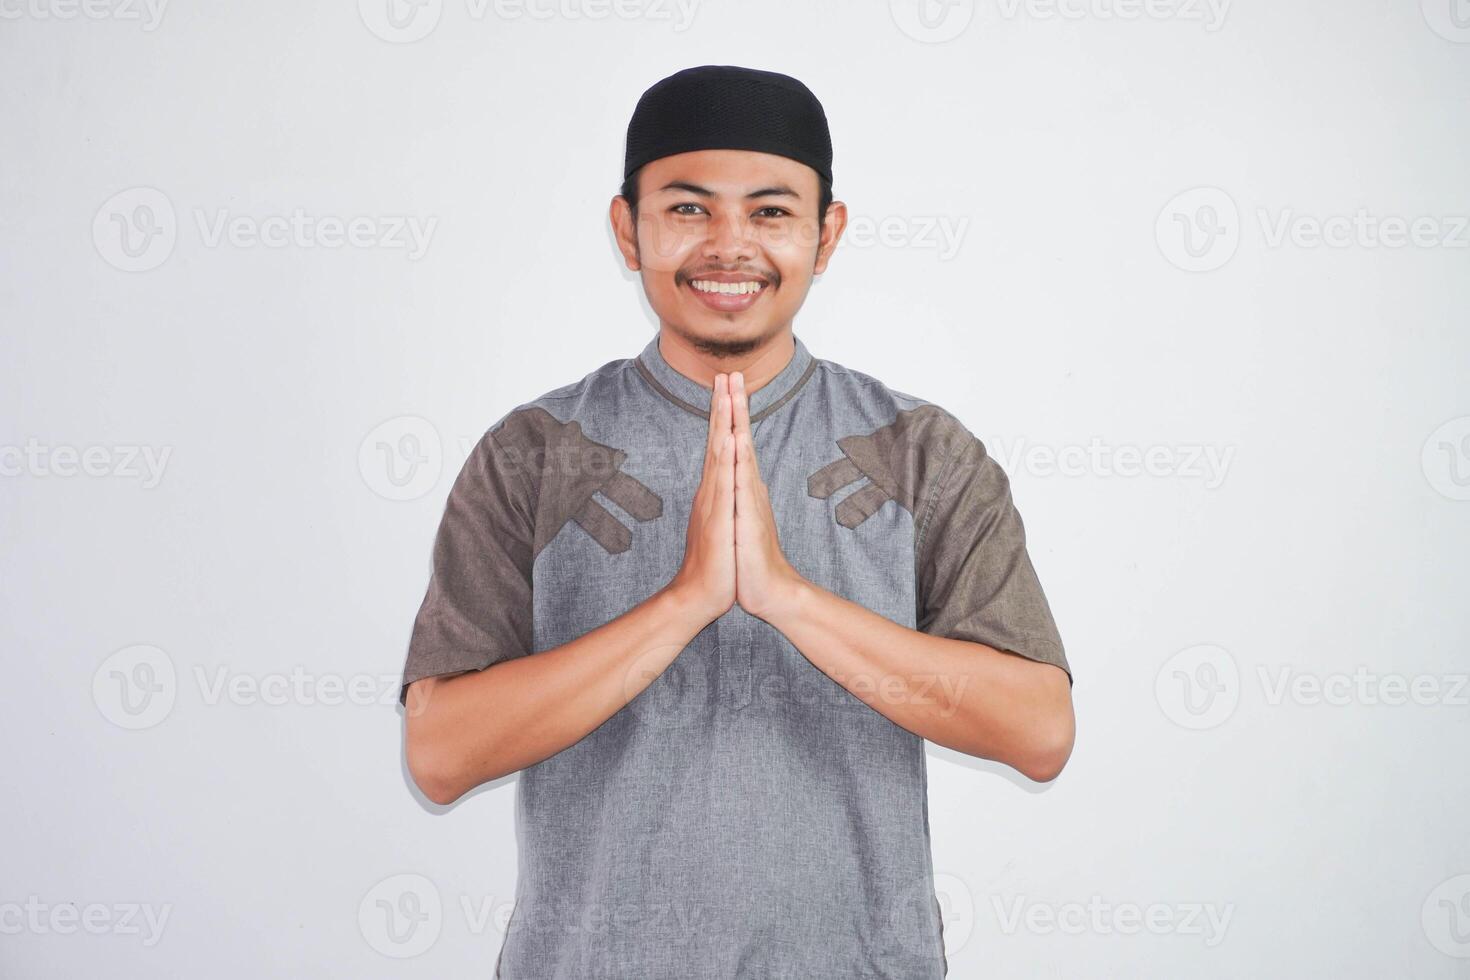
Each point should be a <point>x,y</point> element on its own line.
<point>793,238</point>
<point>662,247</point>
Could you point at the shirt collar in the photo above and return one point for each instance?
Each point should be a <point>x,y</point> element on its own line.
<point>694,397</point>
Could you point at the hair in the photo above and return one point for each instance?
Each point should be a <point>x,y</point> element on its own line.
<point>824,195</point>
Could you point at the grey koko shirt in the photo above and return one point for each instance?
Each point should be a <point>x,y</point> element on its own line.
<point>744,816</point>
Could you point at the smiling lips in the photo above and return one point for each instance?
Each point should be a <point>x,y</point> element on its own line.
<point>728,295</point>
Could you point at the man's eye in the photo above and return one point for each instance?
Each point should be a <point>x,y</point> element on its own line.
<point>692,209</point>
<point>772,212</point>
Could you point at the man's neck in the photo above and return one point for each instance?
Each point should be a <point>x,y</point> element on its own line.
<point>759,365</point>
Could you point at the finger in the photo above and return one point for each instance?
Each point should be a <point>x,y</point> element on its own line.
<point>718,394</point>
<point>740,403</point>
<point>744,500</point>
<point>711,441</point>
<point>725,421</point>
<point>743,435</point>
<point>725,480</point>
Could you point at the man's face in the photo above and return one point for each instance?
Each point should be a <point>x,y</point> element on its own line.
<point>727,242</point>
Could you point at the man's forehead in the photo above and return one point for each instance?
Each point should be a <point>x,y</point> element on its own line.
<point>729,172</point>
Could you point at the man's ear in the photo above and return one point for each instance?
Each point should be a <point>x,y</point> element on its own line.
<point>625,231</point>
<point>832,230</point>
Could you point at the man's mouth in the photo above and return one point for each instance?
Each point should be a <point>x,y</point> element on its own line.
<point>728,296</point>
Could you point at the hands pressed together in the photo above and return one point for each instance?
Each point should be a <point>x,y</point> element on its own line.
<point>732,553</point>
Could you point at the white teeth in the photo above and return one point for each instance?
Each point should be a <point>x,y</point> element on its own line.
<point>731,288</point>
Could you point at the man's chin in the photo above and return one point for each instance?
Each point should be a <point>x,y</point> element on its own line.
<point>724,336</point>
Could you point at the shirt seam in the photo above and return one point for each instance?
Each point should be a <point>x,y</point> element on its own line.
<point>661,389</point>
<point>868,381</point>
<point>796,389</point>
<point>951,457</point>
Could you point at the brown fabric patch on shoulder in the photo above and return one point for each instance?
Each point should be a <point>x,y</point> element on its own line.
<point>900,461</point>
<point>566,468</point>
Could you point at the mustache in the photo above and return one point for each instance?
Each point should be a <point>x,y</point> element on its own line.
<point>684,276</point>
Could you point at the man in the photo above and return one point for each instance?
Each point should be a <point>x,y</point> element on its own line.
<point>709,601</point>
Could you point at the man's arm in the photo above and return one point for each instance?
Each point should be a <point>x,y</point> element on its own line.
<point>960,693</point>
<point>957,693</point>
<point>471,728</point>
<point>464,729</point>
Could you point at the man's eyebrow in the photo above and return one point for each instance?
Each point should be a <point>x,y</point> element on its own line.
<point>775,190</point>
<point>679,185</point>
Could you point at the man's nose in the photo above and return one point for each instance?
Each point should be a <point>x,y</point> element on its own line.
<point>730,239</point>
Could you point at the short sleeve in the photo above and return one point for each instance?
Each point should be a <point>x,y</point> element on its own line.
<point>975,578</point>
<point>477,610</point>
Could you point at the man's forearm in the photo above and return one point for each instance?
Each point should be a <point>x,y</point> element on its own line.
<point>956,693</point>
<point>474,727</point>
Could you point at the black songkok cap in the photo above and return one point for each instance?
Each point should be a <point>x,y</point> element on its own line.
<point>721,107</point>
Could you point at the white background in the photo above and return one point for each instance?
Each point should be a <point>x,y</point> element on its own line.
<point>1263,830</point>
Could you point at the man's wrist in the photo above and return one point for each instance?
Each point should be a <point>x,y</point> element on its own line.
<point>796,599</point>
<point>684,607</point>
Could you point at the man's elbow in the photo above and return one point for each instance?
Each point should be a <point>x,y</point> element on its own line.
<point>429,764</point>
<point>1052,746</point>
<point>440,791</point>
<point>434,777</point>
<point>1046,764</point>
